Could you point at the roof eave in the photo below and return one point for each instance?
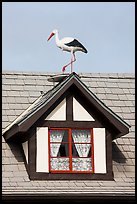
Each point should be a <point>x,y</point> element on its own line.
<point>71,196</point>
<point>11,132</point>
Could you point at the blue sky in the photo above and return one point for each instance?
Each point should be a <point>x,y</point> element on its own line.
<point>106,29</point>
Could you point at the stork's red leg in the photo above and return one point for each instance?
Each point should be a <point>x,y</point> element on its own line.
<point>64,68</point>
<point>73,59</point>
<point>71,64</point>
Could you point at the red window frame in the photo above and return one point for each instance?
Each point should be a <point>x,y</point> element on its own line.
<point>70,151</point>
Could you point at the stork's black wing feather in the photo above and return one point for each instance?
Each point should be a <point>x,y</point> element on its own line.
<point>76,43</point>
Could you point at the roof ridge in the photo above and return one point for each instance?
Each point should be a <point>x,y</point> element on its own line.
<point>107,75</point>
<point>28,73</point>
<point>82,74</point>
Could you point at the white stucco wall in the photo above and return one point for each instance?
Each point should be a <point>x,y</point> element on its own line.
<point>59,113</point>
<point>42,157</point>
<point>79,113</point>
<point>99,141</point>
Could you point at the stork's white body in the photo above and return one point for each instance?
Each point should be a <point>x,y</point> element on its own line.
<point>68,44</point>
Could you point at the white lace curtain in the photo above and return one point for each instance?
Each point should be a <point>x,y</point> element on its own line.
<point>82,136</point>
<point>55,136</point>
<point>79,136</point>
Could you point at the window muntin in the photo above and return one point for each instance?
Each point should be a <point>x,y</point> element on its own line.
<point>71,150</point>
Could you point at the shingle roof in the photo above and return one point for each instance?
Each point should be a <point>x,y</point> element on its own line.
<point>116,90</point>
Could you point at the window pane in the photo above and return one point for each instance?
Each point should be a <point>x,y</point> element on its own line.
<point>58,135</point>
<point>54,149</point>
<point>59,163</point>
<point>81,136</point>
<point>63,150</point>
<point>74,151</point>
<point>59,143</point>
<point>81,164</point>
<point>83,149</point>
<point>59,150</point>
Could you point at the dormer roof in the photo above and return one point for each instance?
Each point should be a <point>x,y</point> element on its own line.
<point>34,112</point>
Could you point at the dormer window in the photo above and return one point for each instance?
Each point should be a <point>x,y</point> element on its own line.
<point>64,151</point>
<point>71,150</point>
<point>67,133</point>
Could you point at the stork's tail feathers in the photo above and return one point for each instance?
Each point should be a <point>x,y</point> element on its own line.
<point>84,49</point>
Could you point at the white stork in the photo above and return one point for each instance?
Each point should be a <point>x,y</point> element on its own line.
<point>68,44</point>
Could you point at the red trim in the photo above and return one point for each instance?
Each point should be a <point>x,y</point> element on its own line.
<point>49,148</point>
<point>58,128</point>
<point>70,151</point>
<point>71,172</point>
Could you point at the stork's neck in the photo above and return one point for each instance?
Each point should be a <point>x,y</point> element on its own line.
<point>57,37</point>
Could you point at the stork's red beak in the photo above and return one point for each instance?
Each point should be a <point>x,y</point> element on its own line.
<point>50,36</point>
